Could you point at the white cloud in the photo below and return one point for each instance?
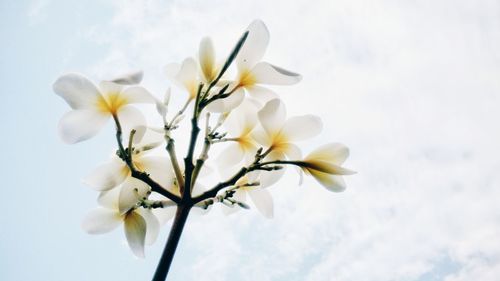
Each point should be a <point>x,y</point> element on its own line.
<point>411,87</point>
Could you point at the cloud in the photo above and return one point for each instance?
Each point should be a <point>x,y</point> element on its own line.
<point>411,87</point>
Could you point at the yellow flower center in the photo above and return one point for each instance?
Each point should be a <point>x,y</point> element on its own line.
<point>246,79</point>
<point>111,103</point>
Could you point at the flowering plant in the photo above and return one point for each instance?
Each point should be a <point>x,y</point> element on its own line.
<point>139,187</point>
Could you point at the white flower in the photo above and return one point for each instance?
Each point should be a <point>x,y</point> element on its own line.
<point>239,125</point>
<point>114,172</point>
<point>92,106</point>
<point>279,133</point>
<point>140,225</point>
<point>259,196</point>
<point>252,72</point>
<point>324,164</point>
<point>184,76</point>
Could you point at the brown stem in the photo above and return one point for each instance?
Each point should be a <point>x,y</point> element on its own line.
<point>173,240</point>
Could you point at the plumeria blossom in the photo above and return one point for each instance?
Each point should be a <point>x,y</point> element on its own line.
<point>252,72</point>
<point>140,225</point>
<point>92,106</point>
<point>239,125</point>
<point>324,164</point>
<point>116,171</point>
<point>184,76</point>
<point>260,197</point>
<point>279,134</point>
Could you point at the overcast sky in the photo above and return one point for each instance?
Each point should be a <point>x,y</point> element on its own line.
<point>411,87</point>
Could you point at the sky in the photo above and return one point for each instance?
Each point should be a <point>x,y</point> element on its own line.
<point>411,87</point>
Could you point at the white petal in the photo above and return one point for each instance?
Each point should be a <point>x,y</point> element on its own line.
<point>331,182</point>
<point>207,59</point>
<point>268,178</point>
<point>101,220</point>
<point>336,153</point>
<point>131,118</point>
<point>263,201</point>
<point>272,116</point>
<point>107,175</point>
<point>152,225</point>
<point>227,104</point>
<point>159,168</point>
<point>137,94</point>
<point>78,91</point>
<point>187,76</point>
<point>242,119</point>
<point>255,45</point>
<point>260,93</point>
<point>230,156</point>
<point>79,125</point>
<point>266,73</point>
<point>135,231</point>
<point>110,88</point>
<point>129,78</point>
<point>302,127</point>
<point>109,198</point>
<point>293,152</point>
<point>132,191</point>
<point>164,214</point>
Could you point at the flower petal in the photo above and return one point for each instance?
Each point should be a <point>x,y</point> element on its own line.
<point>293,152</point>
<point>302,127</point>
<point>135,231</point>
<point>101,220</point>
<point>79,125</point>
<point>131,78</point>
<point>152,225</point>
<point>255,45</point>
<point>78,91</point>
<point>263,201</point>
<point>232,155</point>
<point>109,198</point>
<point>330,182</point>
<point>137,94</point>
<point>107,175</point>
<point>164,214</point>
<point>184,75</point>
<point>132,191</point>
<point>207,59</point>
<point>131,118</point>
<point>110,88</point>
<point>272,116</point>
<point>227,104</point>
<point>159,168</point>
<point>266,73</point>
<point>260,93</point>
<point>336,153</point>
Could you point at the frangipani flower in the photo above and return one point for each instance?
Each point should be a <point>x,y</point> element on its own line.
<point>252,72</point>
<point>324,164</point>
<point>114,172</point>
<point>206,55</point>
<point>239,125</point>
<point>279,133</point>
<point>184,76</point>
<point>140,225</point>
<point>260,197</point>
<point>92,106</point>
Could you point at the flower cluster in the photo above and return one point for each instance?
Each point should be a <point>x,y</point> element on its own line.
<point>139,185</point>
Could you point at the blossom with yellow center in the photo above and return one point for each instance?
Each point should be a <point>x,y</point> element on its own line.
<point>259,196</point>
<point>140,225</point>
<point>324,164</point>
<point>239,125</point>
<point>93,106</point>
<point>278,135</point>
<point>252,72</point>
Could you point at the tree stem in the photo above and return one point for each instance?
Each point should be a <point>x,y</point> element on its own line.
<point>173,239</point>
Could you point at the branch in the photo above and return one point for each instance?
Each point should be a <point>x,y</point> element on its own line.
<point>143,176</point>
<point>188,161</point>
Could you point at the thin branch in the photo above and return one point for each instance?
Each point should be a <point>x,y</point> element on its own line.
<point>188,161</point>
<point>143,176</point>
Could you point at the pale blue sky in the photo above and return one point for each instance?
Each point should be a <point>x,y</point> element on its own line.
<point>411,87</point>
